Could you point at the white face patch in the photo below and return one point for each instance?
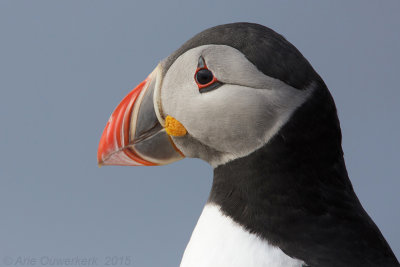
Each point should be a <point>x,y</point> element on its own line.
<point>233,120</point>
<point>217,241</point>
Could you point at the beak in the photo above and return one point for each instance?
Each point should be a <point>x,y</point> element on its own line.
<point>134,134</point>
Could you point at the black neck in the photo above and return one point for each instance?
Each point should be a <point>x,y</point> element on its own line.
<point>295,193</point>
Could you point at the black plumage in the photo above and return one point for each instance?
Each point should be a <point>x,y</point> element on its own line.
<point>295,193</point>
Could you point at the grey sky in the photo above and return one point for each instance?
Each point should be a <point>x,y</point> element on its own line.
<point>65,65</point>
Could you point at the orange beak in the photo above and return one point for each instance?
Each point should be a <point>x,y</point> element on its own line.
<point>133,135</point>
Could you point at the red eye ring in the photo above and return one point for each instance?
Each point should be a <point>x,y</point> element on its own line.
<point>204,77</point>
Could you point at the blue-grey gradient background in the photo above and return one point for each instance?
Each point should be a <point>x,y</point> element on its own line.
<point>64,66</point>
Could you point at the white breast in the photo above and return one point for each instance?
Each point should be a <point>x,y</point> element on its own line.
<point>219,241</point>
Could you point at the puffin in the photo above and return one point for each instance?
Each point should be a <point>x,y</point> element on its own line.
<point>242,98</point>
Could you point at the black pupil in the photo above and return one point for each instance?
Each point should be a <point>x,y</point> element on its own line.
<point>204,76</point>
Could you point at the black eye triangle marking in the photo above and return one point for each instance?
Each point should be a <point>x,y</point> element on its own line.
<point>211,87</point>
<point>201,64</point>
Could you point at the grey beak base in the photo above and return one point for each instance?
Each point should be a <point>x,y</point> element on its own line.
<point>150,139</point>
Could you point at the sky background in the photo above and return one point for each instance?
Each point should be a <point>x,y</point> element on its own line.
<point>65,65</point>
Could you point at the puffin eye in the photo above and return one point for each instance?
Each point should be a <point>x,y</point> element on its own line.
<point>204,76</point>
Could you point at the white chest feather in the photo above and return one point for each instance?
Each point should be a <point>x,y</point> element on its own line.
<point>218,241</point>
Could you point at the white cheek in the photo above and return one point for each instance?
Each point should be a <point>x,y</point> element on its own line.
<point>229,119</point>
<point>179,88</point>
<point>234,119</point>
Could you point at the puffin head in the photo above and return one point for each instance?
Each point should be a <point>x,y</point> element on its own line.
<point>221,96</point>
<point>245,100</point>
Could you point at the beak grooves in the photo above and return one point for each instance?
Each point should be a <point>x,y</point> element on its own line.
<point>134,134</point>
<point>115,139</point>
